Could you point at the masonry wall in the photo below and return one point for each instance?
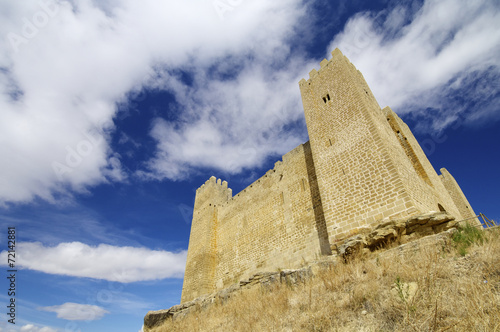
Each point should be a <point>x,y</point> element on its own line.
<point>275,223</point>
<point>280,230</point>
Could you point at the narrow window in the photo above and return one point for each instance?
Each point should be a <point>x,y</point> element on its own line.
<point>324,99</point>
<point>328,96</point>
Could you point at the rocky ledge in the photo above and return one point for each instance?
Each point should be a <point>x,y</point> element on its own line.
<point>404,230</point>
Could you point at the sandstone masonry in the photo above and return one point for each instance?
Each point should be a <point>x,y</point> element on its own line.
<point>361,167</point>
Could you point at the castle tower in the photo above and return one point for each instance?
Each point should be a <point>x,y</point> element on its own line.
<point>202,254</point>
<point>368,164</point>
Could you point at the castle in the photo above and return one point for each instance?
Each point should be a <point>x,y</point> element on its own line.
<point>361,165</point>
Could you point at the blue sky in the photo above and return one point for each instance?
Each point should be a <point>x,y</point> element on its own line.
<point>113,112</point>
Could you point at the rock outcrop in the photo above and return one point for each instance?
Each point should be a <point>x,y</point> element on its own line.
<point>389,231</point>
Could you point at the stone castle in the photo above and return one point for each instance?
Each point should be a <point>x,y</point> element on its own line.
<point>361,166</point>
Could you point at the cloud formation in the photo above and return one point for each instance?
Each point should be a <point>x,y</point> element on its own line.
<point>75,311</point>
<point>419,59</point>
<point>33,328</point>
<point>64,65</point>
<point>230,124</point>
<point>105,262</point>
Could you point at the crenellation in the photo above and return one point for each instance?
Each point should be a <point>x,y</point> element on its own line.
<point>361,166</point>
<point>313,73</point>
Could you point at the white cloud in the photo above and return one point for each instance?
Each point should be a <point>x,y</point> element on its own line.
<point>121,264</point>
<point>408,61</point>
<point>65,64</point>
<point>75,311</point>
<point>230,124</point>
<point>413,60</point>
<point>33,328</point>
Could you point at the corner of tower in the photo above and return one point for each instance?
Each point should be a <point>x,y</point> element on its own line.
<point>337,56</point>
<point>337,53</point>
<point>214,191</point>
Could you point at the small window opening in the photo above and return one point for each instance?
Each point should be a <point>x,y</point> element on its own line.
<point>441,208</point>
<point>326,98</point>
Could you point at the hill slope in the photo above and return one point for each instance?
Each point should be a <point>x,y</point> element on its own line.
<point>450,286</point>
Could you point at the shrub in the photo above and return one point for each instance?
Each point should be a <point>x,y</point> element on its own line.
<point>467,236</point>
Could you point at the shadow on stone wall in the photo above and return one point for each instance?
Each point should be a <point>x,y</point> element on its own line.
<point>316,199</point>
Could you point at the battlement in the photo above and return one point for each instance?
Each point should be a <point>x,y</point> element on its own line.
<point>215,190</point>
<point>217,185</point>
<point>336,56</point>
<point>212,182</point>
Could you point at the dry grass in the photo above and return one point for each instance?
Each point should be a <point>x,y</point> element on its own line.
<point>455,293</point>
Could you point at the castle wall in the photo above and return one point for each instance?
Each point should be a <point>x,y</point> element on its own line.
<point>279,230</point>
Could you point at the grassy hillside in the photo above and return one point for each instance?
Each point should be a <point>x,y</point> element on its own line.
<point>453,289</point>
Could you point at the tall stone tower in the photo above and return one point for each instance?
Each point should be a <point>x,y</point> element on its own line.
<point>368,164</point>
<point>201,266</point>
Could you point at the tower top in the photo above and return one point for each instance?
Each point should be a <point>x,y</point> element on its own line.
<point>336,54</point>
<point>215,190</point>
